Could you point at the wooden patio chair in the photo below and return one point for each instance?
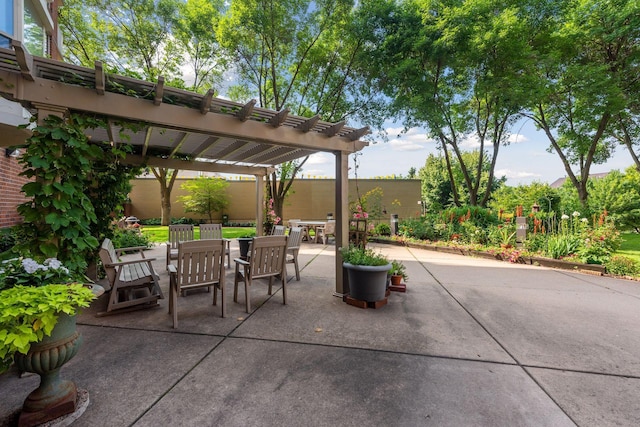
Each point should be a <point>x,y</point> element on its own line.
<point>133,283</point>
<point>323,232</point>
<point>305,230</point>
<point>200,265</point>
<point>278,230</point>
<point>214,231</point>
<point>177,233</point>
<point>293,247</point>
<point>267,257</point>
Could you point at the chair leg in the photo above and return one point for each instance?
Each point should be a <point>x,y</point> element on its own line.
<point>247,299</point>
<point>284,289</point>
<point>295,263</point>
<point>236,279</point>
<point>173,304</point>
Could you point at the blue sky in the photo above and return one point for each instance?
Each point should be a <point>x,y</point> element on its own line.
<point>523,161</point>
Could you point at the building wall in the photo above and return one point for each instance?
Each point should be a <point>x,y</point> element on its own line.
<point>310,199</point>
<point>10,185</point>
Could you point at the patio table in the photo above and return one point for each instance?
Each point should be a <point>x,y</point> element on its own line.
<point>312,225</point>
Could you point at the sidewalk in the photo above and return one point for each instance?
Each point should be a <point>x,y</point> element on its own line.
<point>473,342</point>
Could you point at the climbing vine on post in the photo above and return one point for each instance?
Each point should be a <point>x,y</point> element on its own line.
<point>60,218</point>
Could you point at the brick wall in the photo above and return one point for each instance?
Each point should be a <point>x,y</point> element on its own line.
<point>10,185</point>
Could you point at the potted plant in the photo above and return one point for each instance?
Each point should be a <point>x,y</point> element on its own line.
<point>38,331</point>
<point>398,272</point>
<point>244,240</point>
<point>366,271</point>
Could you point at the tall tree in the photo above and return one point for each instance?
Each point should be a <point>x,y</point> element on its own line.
<point>452,66</point>
<point>147,39</point>
<point>582,62</point>
<point>295,54</point>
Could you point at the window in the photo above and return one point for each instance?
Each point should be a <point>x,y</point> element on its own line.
<point>34,35</point>
<point>6,22</point>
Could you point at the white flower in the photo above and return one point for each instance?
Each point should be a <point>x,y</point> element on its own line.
<point>30,266</point>
<point>53,263</point>
<point>564,216</point>
<point>585,220</point>
<point>575,214</point>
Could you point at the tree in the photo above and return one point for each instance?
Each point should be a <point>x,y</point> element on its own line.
<point>206,196</point>
<point>147,39</point>
<point>455,68</point>
<point>438,184</point>
<point>583,61</point>
<point>294,54</point>
<point>619,195</point>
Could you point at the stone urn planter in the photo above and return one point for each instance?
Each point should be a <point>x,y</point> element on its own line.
<point>54,397</point>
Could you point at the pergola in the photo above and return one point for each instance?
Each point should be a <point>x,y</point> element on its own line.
<point>178,129</point>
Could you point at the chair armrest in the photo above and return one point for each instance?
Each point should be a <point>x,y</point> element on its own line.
<point>133,261</point>
<point>241,261</point>
<point>172,269</point>
<point>132,249</point>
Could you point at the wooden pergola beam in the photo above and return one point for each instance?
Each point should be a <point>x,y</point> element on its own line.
<point>334,129</point>
<point>175,117</point>
<point>100,78</point>
<point>24,59</point>
<point>136,160</point>
<point>205,106</point>
<point>159,92</point>
<point>279,118</point>
<point>245,112</point>
<point>307,125</point>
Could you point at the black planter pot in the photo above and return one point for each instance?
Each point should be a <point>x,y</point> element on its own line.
<point>244,246</point>
<point>366,282</point>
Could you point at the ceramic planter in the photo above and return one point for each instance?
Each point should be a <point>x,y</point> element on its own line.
<point>366,282</point>
<point>244,246</point>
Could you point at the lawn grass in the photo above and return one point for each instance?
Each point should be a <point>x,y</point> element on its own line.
<point>160,234</point>
<point>630,246</point>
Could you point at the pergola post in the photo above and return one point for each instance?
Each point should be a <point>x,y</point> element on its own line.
<point>259,204</point>
<point>342,218</point>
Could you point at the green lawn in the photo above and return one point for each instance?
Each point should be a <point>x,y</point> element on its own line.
<point>630,246</point>
<point>160,234</point>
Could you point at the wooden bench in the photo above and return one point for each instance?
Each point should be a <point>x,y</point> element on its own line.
<point>134,283</point>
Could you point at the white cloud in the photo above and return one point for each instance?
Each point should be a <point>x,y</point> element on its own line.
<point>319,159</point>
<point>516,138</point>
<point>515,174</point>
<point>402,145</point>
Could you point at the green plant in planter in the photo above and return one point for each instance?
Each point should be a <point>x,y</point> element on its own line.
<point>355,255</point>
<point>29,313</point>
<point>399,269</point>
<point>247,235</point>
<point>367,273</point>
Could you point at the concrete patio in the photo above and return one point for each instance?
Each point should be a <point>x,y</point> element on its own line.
<point>473,342</point>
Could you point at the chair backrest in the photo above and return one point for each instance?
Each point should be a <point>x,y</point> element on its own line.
<point>210,231</point>
<point>108,256</point>
<point>200,262</point>
<point>294,222</point>
<point>330,228</point>
<point>278,230</point>
<point>295,237</point>
<point>267,256</point>
<point>180,233</point>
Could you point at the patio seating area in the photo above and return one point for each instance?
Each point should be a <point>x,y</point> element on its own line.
<point>473,342</point>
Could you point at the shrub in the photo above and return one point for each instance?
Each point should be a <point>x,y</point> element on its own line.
<point>561,245</point>
<point>7,239</point>
<point>151,221</point>
<point>536,242</point>
<point>417,229</point>
<point>356,255</point>
<point>382,229</point>
<point>623,266</point>
<point>129,239</point>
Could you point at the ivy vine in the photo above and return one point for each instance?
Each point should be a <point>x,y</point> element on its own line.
<point>76,186</point>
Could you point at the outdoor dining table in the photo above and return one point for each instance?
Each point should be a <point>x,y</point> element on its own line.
<point>312,225</point>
